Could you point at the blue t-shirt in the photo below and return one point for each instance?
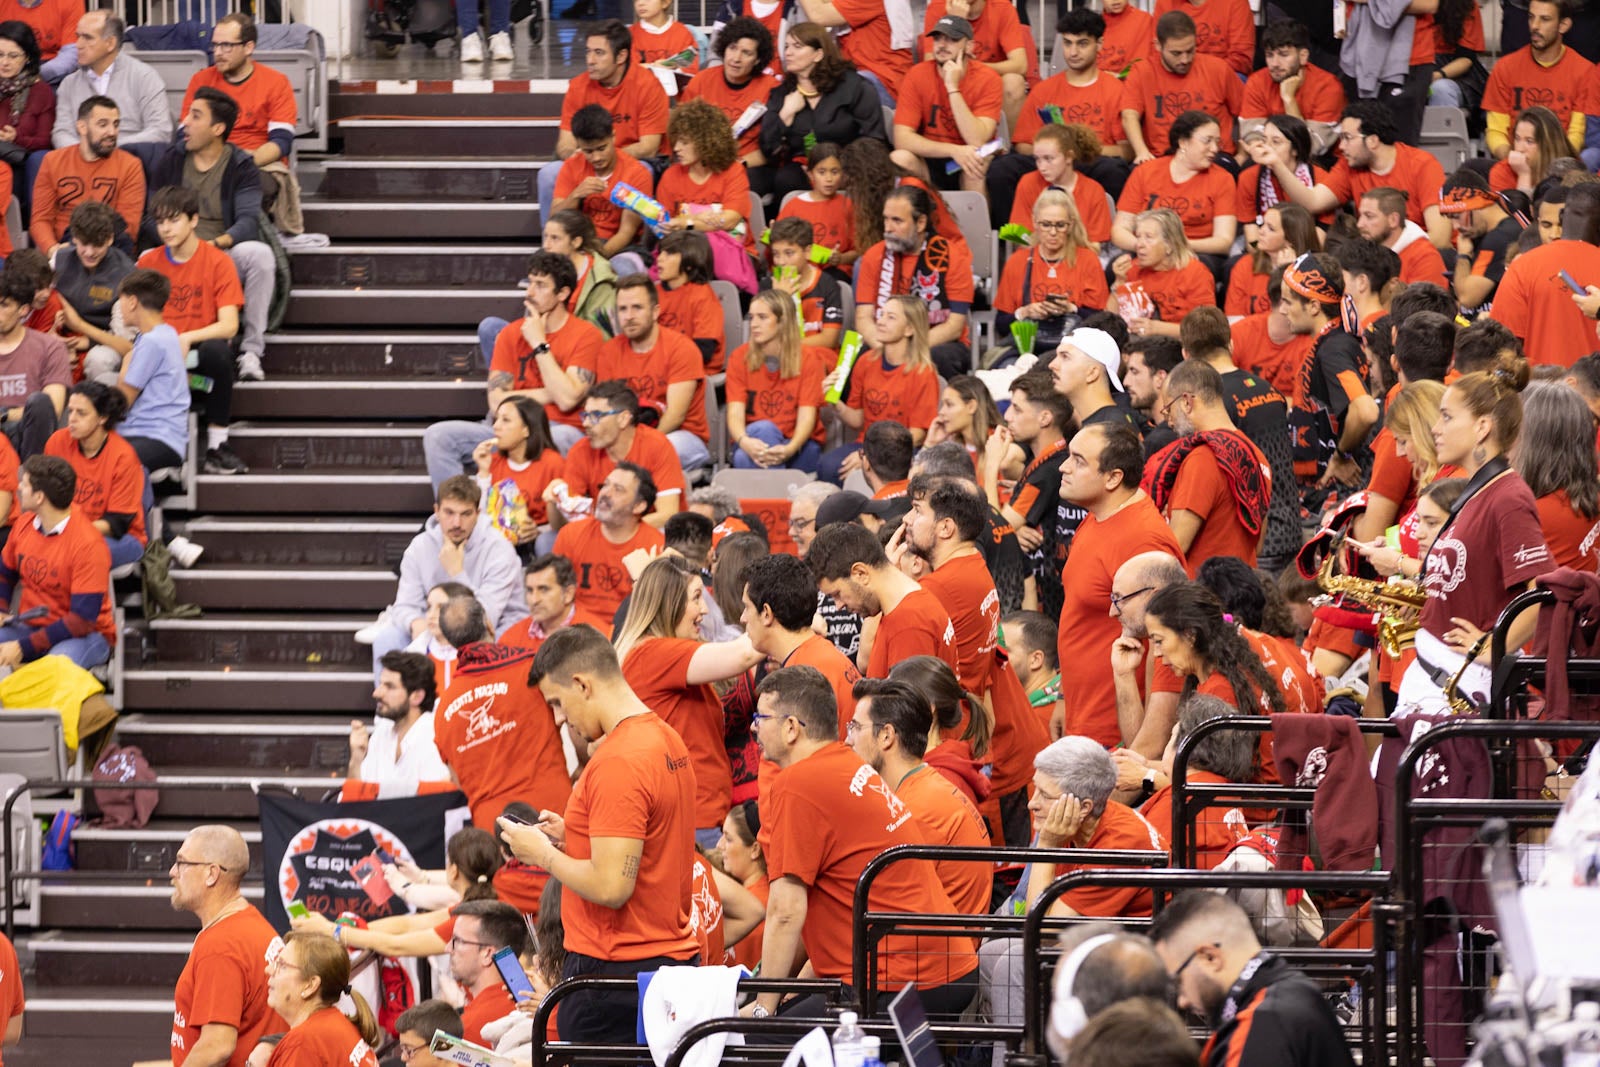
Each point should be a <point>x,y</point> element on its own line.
<point>162,411</point>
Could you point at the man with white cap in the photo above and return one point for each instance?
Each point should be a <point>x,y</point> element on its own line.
<point>1088,372</point>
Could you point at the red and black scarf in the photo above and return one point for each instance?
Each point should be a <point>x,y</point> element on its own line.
<point>1240,467</point>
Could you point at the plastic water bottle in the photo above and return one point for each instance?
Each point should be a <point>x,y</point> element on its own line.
<point>871,1048</point>
<point>848,1042</point>
<point>1583,1047</point>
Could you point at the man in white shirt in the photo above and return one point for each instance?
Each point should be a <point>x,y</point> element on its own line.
<point>398,752</point>
<point>104,69</point>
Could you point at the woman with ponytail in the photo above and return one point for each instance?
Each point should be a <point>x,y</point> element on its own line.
<point>1492,547</point>
<point>304,985</point>
<point>956,756</point>
<point>1201,645</point>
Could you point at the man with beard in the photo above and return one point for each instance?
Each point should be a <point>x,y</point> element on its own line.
<point>1544,72</point>
<point>1485,233</point>
<point>597,545</point>
<point>663,367</point>
<point>1039,418</point>
<point>1150,360</point>
<point>94,168</point>
<point>1381,217</point>
<point>1290,85</point>
<point>912,259</point>
<point>1263,1011</point>
<point>398,751</point>
<point>611,424</point>
<point>949,107</point>
<point>484,927</point>
<point>1177,71</point>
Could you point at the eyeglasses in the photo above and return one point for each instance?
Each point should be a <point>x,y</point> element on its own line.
<point>757,716</point>
<point>226,46</point>
<point>199,863</point>
<point>852,727</point>
<point>1118,601</point>
<point>280,963</point>
<point>1161,416</point>
<point>459,940</point>
<point>800,524</point>
<point>596,416</point>
<point>13,55</point>
<point>1052,224</point>
<point>407,1051</point>
<point>1177,975</point>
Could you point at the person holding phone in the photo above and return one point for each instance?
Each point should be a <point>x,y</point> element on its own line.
<point>484,928</point>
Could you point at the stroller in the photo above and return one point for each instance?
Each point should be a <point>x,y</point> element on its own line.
<point>391,23</point>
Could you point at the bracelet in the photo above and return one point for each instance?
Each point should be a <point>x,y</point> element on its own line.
<point>338,932</point>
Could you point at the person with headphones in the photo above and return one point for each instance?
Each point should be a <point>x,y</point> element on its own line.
<point>1101,965</point>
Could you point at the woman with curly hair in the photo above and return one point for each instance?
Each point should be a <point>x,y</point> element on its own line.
<point>821,99</point>
<point>1058,152</point>
<point>1191,636</point>
<point>1537,141</point>
<point>740,82</point>
<point>870,176</point>
<point>706,189</point>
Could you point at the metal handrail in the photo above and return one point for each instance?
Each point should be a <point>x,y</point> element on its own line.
<point>797,1025</point>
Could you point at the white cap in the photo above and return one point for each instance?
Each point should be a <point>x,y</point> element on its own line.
<point>1100,347</point>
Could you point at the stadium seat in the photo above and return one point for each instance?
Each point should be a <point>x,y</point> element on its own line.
<point>761,484</point>
<point>717,417</point>
<point>14,226</point>
<point>732,314</point>
<point>26,847</point>
<point>971,211</point>
<point>1444,134</point>
<point>758,216</point>
<point>309,77</point>
<point>176,68</point>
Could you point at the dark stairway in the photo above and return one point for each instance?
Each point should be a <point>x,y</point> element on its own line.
<point>380,340</point>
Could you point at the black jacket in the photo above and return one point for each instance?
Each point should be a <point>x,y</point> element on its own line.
<point>1274,1016</point>
<point>241,192</point>
<point>847,111</point>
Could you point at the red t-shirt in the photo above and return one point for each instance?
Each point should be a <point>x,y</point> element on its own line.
<point>12,1000</point>
<point>1494,548</point>
<point>917,626</point>
<point>766,396</point>
<point>869,44</point>
<point>637,104</point>
<point>1212,836</point>
<point>658,670</point>
<point>947,817</point>
<point>54,22</point>
<point>508,482</point>
<point>817,651</point>
<point>265,99</point>
<point>1247,202</point>
<point>1087,627</point>
<point>1197,201</point>
<point>1088,196</point>
<point>1421,262</point>
<point>1428,45</point>
<point>1097,105</point>
<point>1201,488</point>
<point>1519,81</point>
<point>1130,38</point>
<point>725,190</point>
<point>1247,290</point>
<point>1223,28</point>
<point>673,359</point>
<point>1120,828</point>
<point>327,1037</point>
<point>1572,537</point>
<point>603,581</point>
<point>650,45</point>
<point>705,913</point>
<point>830,815</point>
<point>493,1003</point>
<point>201,284</point>
<point>498,736</point>
<point>923,105</point>
<point>1176,292</point>
<point>8,478</point>
<point>833,221</point>
<point>995,34</point>
<point>693,310</point>
<point>587,466</point>
<point>55,568</point>
<point>899,394</point>
<point>112,481</point>
<point>1083,282</point>
<point>224,981</point>
<point>606,216</point>
<point>1415,173</point>
<point>1255,351</point>
<point>1392,475</point>
<point>1160,96</point>
<point>711,86</point>
<point>520,633</point>
<point>1320,96</point>
<point>1533,300</point>
<point>639,786</point>
<point>965,590</point>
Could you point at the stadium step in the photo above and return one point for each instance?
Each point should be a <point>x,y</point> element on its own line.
<point>149,849</point>
<point>108,959</point>
<point>203,684</point>
<point>291,447</point>
<point>387,354</point>
<point>420,304</point>
<point>266,743</point>
<point>398,138</point>
<point>315,490</point>
<point>354,100</point>
<point>303,542</point>
<point>337,397</point>
<point>445,221</point>
<point>365,267</point>
<point>268,587</point>
<point>443,179</point>
<point>68,1026</point>
<point>124,907</point>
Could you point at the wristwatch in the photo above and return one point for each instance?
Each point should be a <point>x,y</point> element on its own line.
<point>541,348</point>
<point>1147,789</point>
<point>759,1012</point>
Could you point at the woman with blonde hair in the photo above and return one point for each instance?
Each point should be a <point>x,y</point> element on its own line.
<point>968,413</point>
<point>775,389</point>
<point>304,985</point>
<point>893,383</point>
<point>1537,141</point>
<point>672,670</point>
<point>1059,275</point>
<point>1163,280</point>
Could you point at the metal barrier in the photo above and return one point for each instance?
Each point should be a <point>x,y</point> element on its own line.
<point>1372,965</point>
<point>793,1026</point>
<point>1416,819</point>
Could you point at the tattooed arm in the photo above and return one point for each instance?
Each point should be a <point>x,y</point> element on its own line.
<point>605,878</point>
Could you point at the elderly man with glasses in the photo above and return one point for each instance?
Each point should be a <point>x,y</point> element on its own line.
<point>1145,720</point>
<point>220,1007</point>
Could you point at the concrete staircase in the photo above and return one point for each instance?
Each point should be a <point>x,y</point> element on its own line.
<point>431,218</point>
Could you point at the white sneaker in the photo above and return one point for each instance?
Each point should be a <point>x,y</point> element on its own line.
<point>472,48</point>
<point>249,365</point>
<point>369,633</point>
<point>500,47</point>
<point>184,551</point>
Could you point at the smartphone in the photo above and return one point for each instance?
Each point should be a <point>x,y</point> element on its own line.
<point>512,974</point>
<point>1572,283</point>
<point>508,817</point>
<point>297,910</point>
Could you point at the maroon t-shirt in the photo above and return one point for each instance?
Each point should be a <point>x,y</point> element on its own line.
<point>1486,556</point>
<point>39,360</point>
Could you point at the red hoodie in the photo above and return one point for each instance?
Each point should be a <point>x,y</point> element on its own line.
<point>953,759</point>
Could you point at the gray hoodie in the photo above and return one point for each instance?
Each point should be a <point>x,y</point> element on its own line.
<point>490,569</point>
<point>1377,44</point>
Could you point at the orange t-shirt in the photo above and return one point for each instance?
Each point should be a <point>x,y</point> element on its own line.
<point>923,105</point>
<point>1097,105</point>
<point>587,466</point>
<point>529,480</point>
<point>493,1003</point>
<point>1321,95</point>
<point>1088,196</point>
<point>1247,198</point>
<point>55,569</point>
<point>1160,96</point>
<point>995,34</point>
<point>111,481</point>
<point>833,221</point>
<point>54,22</point>
<point>725,190</point>
<point>1428,45</point>
<point>638,104</point>
<point>603,582</point>
<point>869,44</point>
<point>1202,489</point>
<point>711,86</point>
<point>265,99</point>
<point>917,626</point>
<point>498,736</point>
<point>1212,836</point>
<point>1519,81</point>
<point>1572,537</point>
<point>673,359</point>
<point>1421,262</point>
<point>693,310</point>
<point>817,651</point>
<point>1223,28</point>
<point>201,285</point>
<point>1176,292</point>
<point>947,817</point>
<point>1255,350</point>
<point>66,179</point>
<point>1415,172</point>
<point>767,397</point>
<point>1197,201</point>
<point>658,670</point>
<point>1130,38</point>
<point>6,247</point>
<point>907,396</point>
<point>1303,691</point>
<point>1083,282</point>
<point>574,345</point>
<point>1392,476</point>
<point>705,913</point>
<point>1247,290</point>
<point>640,786</point>
<point>1087,627</point>
<point>326,1037</point>
<point>652,45</point>
<point>1120,828</point>
<point>747,953</point>
<point>521,886</point>
<point>1537,305</point>
<point>606,216</point>
<point>830,815</point>
<point>965,590</point>
<point>12,1000</point>
<point>520,633</point>
<point>224,981</point>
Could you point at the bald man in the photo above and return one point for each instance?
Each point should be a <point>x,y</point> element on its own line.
<point>220,1004</point>
<point>1146,723</point>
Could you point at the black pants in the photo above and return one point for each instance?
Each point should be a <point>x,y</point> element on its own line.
<point>153,454</point>
<point>1015,823</point>
<point>216,363</point>
<point>947,1001</point>
<point>39,420</point>
<point>606,1016</point>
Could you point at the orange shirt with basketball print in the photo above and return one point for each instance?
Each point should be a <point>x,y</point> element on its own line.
<point>1518,81</point>
<point>712,86</point>
<point>767,397</point>
<point>1320,96</point>
<point>587,467</point>
<point>112,480</point>
<point>201,284</point>
<point>996,33</point>
<point>693,310</point>
<point>724,190</point>
<point>833,221</point>
<point>909,396</point>
<point>606,216</point>
<point>1129,39</point>
<point>1198,201</point>
<point>652,44</point>
<point>637,104</point>
<point>1160,96</point>
<point>265,99</point>
<point>657,669</point>
<point>923,105</point>
<point>1415,172</point>
<point>1225,29</point>
<point>573,347</point>
<point>1082,281</point>
<point>1175,293</point>
<point>603,582</point>
<point>1088,197</point>
<point>671,360</point>
<point>1097,105</point>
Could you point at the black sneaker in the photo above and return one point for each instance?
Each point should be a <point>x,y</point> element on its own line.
<point>221,460</point>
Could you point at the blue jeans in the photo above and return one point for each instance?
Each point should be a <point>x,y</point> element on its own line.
<point>708,837</point>
<point>547,187</point>
<point>447,447</point>
<point>499,15</point>
<point>88,651</point>
<point>564,437</point>
<point>883,90</point>
<point>65,62</point>
<point>828,466</point>
<point>124,550</point>
<point>767,432</point>
<point>488,330</point>
<point>692,452</point>
<point>1444,93</point>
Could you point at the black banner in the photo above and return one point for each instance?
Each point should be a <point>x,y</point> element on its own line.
<point>317,854</point>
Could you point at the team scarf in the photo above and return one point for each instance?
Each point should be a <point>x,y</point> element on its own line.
<point>1267,188</point>
<point>1237,460</point>
<point>926,277</point>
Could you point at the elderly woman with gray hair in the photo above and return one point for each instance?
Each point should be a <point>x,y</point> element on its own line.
<point>1219,758</point>
<point>1071,809</point>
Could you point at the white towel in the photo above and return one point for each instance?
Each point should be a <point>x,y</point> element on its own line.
<point>681,997</point>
